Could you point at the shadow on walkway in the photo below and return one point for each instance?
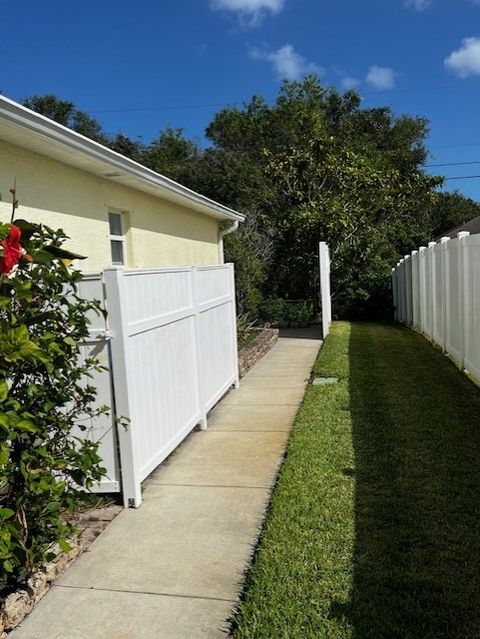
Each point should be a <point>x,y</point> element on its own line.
<point>313,331</point>
<point>416,435</point>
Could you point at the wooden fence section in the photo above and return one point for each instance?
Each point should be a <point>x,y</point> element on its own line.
<point>436,291</point>
<point>171,343</point>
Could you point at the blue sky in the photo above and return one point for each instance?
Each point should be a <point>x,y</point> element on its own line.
<point>112,58</point>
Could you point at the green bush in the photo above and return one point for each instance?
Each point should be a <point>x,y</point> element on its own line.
<point>276,310</point>
<point>273,310</point>
<point>301,311</point>
<point>43,397</point>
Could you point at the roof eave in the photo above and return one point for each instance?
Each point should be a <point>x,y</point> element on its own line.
<point>43,126</point>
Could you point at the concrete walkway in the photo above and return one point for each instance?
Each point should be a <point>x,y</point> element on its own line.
<point>173,569</point>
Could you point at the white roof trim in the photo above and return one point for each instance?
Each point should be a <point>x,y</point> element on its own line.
<point>152,182</point>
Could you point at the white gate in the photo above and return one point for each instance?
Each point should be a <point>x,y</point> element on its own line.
<point>173,355</point>
<point>101,429</point>
<point>325,296</point>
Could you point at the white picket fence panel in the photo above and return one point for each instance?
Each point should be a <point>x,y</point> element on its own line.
<point>441,285</point>
<point>172,341</point>
<point>325,294</point>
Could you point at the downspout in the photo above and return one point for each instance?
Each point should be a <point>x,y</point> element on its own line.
<point>226,227</point>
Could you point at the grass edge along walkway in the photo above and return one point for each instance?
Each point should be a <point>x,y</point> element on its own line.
<point>373,530</point>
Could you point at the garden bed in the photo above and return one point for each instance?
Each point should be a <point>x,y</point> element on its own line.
<point>16,605</point>
<point>256,348</point>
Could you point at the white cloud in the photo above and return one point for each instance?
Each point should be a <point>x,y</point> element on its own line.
<point>465,61</point>
<point>381,77</point>
<point>287,63</point>
<point>251,12</point>
<point>348,82</point>
<point>419,5</point>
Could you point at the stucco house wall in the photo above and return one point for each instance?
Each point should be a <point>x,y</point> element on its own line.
<point>157,232</point>
<point>68,181</point>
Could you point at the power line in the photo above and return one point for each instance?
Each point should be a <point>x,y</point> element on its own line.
<point>166,107</point>
<point>463,177</point>
<point>162,107</point>
<point>451,146</point>
<point>430,166</point>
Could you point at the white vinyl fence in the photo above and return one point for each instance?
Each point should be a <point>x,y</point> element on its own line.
<point>436,291</point>
<point>325,296</point>
<point>171,346</point>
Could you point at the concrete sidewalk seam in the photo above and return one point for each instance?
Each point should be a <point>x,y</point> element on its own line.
<point>144,592</point>
<point>249,430</point>
<point>250,404</point>
<point>156,483</point>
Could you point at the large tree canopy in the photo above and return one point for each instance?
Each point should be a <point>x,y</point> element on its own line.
<point>314,165</point>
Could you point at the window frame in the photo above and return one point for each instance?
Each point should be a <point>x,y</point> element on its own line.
<point>117,238</point>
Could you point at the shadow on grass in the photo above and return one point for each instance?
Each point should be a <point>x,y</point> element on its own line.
<point>416,436</point>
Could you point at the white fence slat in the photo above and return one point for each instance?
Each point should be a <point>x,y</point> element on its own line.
<point>408,290</point>
<point>462,274</point>
<point>453,301</point>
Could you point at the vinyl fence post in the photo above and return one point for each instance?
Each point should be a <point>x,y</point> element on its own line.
<point>395,293</point>
<point>431,284</point>
<point>445,276</point>
<point>403,275</point>
<point>325,295</point>
<point>399,272</point>
<point>122,370</point>
<point>415,291</point>
<point>201,399</point>
<point>422,286</point>
<point>462,278</point>
<point>408,291</point>
<point>234,326</point>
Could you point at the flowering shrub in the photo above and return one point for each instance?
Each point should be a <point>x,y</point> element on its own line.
<point>43,397</point>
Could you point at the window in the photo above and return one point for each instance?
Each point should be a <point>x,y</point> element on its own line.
<point>117,238</point>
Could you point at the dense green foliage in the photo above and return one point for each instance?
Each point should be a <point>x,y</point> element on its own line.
<point>64,112</point>
<point>452,210</point>
<point>45,401</point>
<point>372,532</point>
<point>312,166</point>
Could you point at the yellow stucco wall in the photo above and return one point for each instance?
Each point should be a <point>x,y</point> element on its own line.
<point>157,232</point>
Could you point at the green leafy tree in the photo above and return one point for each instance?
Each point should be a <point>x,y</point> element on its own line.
<point>124,145</point>
<point>316,166</point>
<point>451,210</point>
<point>366,214</point>
<point>171,154</point>
<point>66,113</point>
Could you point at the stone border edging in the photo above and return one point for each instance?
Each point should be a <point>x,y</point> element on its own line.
<point>249,355</point>
<point>16,606</point>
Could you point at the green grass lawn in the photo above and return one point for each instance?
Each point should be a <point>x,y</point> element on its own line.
<point>374,526</point>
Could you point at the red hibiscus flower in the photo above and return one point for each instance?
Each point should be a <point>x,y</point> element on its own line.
<point>12,250</point>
